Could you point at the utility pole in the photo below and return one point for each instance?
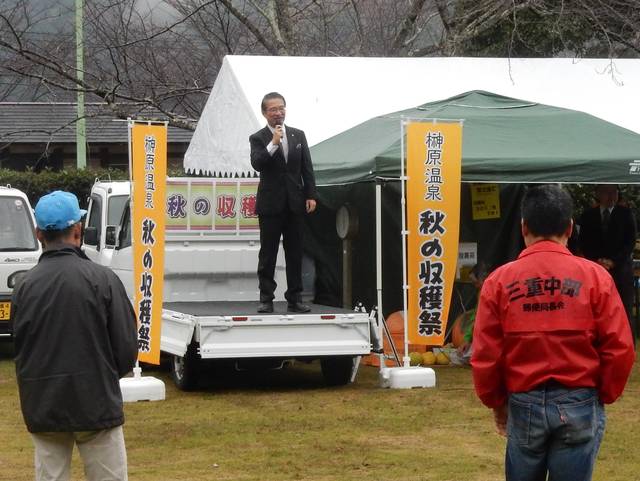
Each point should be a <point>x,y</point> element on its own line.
<point>81,133</point>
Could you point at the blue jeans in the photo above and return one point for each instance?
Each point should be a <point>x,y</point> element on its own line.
<point>553,429</point>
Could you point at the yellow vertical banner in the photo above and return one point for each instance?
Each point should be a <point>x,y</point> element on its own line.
<point>434,153</point>
<point>149,171</point>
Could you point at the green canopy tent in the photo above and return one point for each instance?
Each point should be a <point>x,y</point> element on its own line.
<point>507,141</point>
<point>504,140</point>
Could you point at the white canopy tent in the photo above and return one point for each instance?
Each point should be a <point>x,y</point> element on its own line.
<point>328,95</point>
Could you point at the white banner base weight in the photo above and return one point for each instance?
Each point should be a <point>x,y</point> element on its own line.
<point>138,388</point>
<point>407,377</point>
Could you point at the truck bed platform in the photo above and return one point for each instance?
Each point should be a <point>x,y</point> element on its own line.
<point>243,308</point>
<point>234,329</point>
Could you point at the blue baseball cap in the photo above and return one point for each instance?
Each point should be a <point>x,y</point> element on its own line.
<point>58,210</point>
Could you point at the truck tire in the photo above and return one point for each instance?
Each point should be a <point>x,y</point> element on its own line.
<point>336,370</point>
<point>185,370</point>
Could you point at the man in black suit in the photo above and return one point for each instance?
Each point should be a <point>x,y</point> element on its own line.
<point>608,236</point>
<point>287,190</point>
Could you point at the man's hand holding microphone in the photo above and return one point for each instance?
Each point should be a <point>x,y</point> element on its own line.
<point>277,134</point>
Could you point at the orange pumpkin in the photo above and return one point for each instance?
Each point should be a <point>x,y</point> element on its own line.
<point>395,324</point>
<point>457,333</point>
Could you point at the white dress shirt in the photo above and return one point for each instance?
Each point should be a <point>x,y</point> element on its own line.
<point>284,143</point>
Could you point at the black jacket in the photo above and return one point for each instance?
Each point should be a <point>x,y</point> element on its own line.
<point>616,243</point>
<point>75,336</point>
<point>282,184</point>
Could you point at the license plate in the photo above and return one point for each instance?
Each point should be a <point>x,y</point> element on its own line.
<point>5,310</point>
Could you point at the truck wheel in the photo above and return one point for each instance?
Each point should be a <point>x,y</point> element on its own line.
<point>186,369</point>
<point>337,370</point>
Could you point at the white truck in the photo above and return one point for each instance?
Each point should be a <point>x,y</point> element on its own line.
<point>19,248</point>
<point>210,284</point>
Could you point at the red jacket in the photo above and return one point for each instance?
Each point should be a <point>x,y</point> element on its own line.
<point>550,316</point>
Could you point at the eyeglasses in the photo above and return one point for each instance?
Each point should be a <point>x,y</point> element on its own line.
<point>273,110</point>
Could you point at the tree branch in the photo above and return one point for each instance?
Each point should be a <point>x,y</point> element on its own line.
<point>408,25</point>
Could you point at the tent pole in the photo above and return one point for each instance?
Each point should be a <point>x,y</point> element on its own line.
<point>403,203</point>
<point>379,268</point>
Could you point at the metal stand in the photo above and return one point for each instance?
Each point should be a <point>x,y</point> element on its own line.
<point>389,337</point>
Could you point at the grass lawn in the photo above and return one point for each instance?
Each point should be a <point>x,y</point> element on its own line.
<point>285,425</point>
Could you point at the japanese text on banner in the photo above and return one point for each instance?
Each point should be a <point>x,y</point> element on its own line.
<point>211,205</point>
<point>434,152</point>
<point>149,152</point>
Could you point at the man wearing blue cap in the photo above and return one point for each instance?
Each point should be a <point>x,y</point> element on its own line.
<point>75,337</point>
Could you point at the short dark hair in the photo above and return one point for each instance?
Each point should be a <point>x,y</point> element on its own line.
<point>480,270</point>
<point>51,236</point>
<point>271,96</point>
<point>603,186</point>
<point>547,210</point>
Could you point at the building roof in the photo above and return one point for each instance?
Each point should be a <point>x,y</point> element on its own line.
<point>55,122</point>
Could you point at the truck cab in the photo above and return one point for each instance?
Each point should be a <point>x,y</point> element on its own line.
<point>19,247</point>
<point>106,204</point>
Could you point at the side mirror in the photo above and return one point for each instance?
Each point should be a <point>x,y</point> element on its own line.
<point>122,238</point>
<point>111,238</point>
<point>91,236</point>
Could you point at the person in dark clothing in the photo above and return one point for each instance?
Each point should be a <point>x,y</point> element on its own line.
<point>75,337</point>
<point>287,190</point>
<point>608,236</point>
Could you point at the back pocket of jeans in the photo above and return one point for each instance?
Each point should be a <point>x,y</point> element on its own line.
<point>519,421</point>
<point>578,421</point>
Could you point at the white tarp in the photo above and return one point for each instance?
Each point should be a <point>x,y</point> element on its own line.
<point>328,95</point>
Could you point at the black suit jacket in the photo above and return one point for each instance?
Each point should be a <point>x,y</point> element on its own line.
<point>282,184</point>
<point>616,243</point>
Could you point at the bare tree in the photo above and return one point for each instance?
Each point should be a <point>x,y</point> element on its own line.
<point>167,57</point>
<point>547,28</point>
<point>432,27</point>
<point>129,59</point>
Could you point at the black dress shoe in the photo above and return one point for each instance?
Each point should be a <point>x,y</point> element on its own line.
<point>298,307</point>
<point>265,307</point>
